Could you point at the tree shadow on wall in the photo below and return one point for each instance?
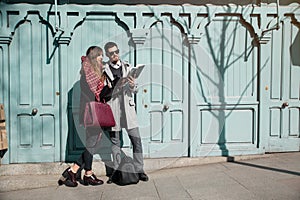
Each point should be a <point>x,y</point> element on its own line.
<point>76,133</point>
<point>224,57</point>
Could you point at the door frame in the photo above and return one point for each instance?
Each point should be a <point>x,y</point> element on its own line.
<point>49,56</point>
<point>268,142</point>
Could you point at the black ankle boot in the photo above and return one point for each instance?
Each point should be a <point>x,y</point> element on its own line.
<point>91,180</point>
<point>68,178</point>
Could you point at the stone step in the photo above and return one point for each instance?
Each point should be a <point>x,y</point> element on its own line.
<point>57,168</point>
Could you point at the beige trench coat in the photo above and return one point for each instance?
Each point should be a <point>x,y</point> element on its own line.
<point>124,113</point>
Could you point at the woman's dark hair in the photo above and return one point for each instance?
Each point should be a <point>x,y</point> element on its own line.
<point>89,50</point>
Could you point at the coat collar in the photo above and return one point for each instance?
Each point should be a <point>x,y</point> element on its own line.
<point>117,65</point>
<point>109,73</point>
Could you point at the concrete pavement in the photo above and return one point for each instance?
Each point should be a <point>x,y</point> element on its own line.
<point>270,176</point>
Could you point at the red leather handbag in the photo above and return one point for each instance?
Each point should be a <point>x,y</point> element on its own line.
<point>98,114</point>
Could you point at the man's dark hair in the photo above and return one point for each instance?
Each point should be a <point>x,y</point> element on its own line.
<point>109,45</point>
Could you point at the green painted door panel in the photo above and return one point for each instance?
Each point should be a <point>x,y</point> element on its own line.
<point>89,30</point>
<point>163,92</point>
<point>34,103</point>
<point>283,103</point>
<point>224,107</point>
<point>205,84</point>
<point>164,79</point>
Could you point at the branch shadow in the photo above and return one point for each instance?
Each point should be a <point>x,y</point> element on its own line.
<point>223,61</point>
<point>264,167</point>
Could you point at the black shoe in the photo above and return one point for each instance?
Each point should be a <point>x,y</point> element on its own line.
<point>111,177</point>
<point>143,177</point>
<point>66,182</point>
<point>68,178</point>
<point>61,180</point>
<point>91,180</point>
<point>109,181</point>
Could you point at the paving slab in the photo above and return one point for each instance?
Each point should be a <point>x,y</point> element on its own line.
<point>272,177</point>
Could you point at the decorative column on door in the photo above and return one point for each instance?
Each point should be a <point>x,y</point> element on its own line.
<point>266,111</point>
<point>194,128</point>
<point>138,38</point>
<point>4,88</point>
<point>62,45</point>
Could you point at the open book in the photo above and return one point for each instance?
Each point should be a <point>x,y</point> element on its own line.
<point>136,71</point>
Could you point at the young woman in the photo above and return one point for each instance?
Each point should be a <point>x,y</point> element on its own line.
<point>91,84</point>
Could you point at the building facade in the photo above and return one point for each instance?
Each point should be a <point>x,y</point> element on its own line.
<point>220,79</point>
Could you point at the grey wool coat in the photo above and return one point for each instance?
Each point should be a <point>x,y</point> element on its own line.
<point>122,101</point>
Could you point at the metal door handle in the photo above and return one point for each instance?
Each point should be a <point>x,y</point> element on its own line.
<point>34,111</point>
<point>165,108</point>
<point>285,104</point>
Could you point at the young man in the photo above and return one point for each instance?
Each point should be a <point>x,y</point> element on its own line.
<point>122,103</point>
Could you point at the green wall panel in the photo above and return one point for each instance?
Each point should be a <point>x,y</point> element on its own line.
<point>215,81</point>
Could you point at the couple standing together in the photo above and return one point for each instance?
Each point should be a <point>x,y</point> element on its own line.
<point>103,83</point>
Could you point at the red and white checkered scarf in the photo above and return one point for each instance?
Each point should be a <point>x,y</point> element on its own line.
<point>93,80</point>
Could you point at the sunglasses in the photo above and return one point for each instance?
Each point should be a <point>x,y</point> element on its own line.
<point>113,52</point>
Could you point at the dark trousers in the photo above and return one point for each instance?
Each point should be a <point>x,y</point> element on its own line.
<point>93,136</point>
<point>136,142</point>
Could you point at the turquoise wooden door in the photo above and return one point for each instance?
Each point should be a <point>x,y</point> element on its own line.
<point>163,93</point>
<point>283,104</point>
<point>34,94</point>
<point>88,29</point>
<point>224,103</point>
